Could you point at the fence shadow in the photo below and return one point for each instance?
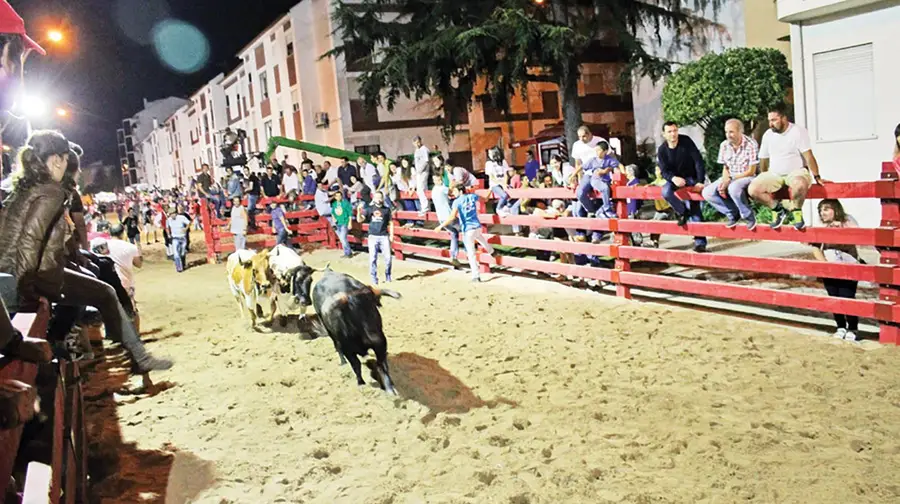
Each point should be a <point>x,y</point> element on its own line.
<point>423,274</point>
<point>424,381</point>
<point>120,471</point>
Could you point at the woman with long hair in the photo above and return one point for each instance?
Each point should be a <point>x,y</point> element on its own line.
<point>832,214</point>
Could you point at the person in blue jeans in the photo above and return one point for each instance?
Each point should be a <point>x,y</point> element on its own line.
<point>595,175</point>
<point>178,226</point>
<point>279,224</point>
<point>465,207</point>
<point>440,196</point>
<point>341,211</point>
<point>381,234</point>
<point>681,165</point>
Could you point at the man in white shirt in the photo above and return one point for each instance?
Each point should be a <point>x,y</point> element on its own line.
<point>366,171</point>
<point>125,255</point>
<point>290,181</point>
<point>495,169</point>
<point>420,163</point>
<point>785,160</point>
<point>585,148</point>
<point>331,172</point>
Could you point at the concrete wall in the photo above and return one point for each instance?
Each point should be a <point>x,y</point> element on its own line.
<point>851,160</point>
<point>763,29</point>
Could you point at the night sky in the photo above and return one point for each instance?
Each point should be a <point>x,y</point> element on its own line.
<point>106,66</point>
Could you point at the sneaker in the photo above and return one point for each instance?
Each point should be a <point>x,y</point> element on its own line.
<point>797,215</point>
<point>840,333</point>
<point>387,280</point>
<point>700,249</point>
<point>732,223</point>
<point>780,219</point>
<point>476,279</point>
<point>150,363</point>
<point>455,263</point>
<point>751,223</point>
<point>682,219</point>
<point>408,225</point>
<point>850,336</point>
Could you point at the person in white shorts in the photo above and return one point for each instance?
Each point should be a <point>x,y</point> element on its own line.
<point>465,208</point>
<point>785,160</point>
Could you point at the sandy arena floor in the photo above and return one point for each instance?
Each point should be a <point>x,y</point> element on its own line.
<point>514,391</point>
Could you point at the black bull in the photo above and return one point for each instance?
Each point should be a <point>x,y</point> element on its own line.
<point>349,311</point>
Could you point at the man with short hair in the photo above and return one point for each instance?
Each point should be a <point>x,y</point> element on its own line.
<point>125,255</point>
<point>531,166</point>
<point>728,195</point>
<point>381,234</point>
<point>681,165</point>
<point>366,172</point>
<point>785,160</point>
<point>178,225</point>
<point>271,183</point>
<point>422,171</point>
<point>465,207</point>
<point>440,194</point>
<point>233,181</point>
<point>345,171</point>
<point>204,181</point>
<point>584,148</point>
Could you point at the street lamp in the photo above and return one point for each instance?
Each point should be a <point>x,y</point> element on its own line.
<point>55,36</point>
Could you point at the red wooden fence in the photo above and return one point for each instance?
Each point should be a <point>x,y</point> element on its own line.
<point>885,238</point>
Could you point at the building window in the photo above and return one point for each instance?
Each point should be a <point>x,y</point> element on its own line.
<point>264,85</point>
<point>290,49</point>
<point>844,81</point>
<point>268,130</point>
<point>367,149</point>
<point>227,101</point>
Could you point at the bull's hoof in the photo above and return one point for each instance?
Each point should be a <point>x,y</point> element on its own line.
<point>282,321</point>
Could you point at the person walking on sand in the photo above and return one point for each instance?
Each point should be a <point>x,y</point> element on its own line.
<point>465,208</point>
<point>381,234</point>
<point>239,223</point>
<point>177,225</point>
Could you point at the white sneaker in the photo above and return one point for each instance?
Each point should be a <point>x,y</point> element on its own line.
<point>849,336</point>
<point>841,333</point>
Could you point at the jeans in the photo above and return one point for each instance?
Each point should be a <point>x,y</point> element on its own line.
<point>843,289</point>
<point>584,193</point>
<point>281,238</point>
<point>411,206</point>
<point>421,187</point>
<point>240,241</point>
<point>515,209</point>
<point>680,207</point>
<point>251,209</point>
<point>379,244</point>
<point>180,245</point>
<point>454,241</point>
<point>79,289</point>
<point>342,232</point>
<point>469,239</point>
<point>736,205</point>
<point>502,197</point>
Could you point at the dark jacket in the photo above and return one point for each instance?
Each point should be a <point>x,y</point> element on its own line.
<point>33,234</point>
<point>683,161</point>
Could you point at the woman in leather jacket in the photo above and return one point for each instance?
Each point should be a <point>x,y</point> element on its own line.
<point>34,232</point>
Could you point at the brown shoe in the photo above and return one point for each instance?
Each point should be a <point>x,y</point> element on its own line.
<point>18,403</point>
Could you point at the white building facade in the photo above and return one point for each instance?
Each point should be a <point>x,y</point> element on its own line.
<point>845,88</point>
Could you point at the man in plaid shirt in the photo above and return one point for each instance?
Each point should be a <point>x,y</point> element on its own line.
<point>740,155</point>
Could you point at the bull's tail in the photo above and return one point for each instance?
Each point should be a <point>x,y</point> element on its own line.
<point>386,292</point>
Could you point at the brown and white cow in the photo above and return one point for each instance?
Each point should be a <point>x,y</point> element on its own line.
<point>251,285</point>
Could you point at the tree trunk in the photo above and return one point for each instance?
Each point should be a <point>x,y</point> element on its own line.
<point>571,106</point>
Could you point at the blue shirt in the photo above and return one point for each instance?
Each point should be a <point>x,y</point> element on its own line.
<point>178,225</point>
<point>608,161</point>
<point>467,208</point>
<point>531,169</point>
<point>309,185</point>
<point>277,216</point>
<point>234,186</point>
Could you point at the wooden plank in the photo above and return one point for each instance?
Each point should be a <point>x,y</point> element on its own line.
<point>562,246</point>
<point>558,268</point>
<point>865,273</point>
<point>228,247</point>
<point>869,309</point>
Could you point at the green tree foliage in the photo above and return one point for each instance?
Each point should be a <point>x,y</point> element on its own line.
<point>419,48</point>
<point>740,83</point>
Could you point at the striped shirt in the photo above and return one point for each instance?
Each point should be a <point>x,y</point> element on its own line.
<point>738,160</point>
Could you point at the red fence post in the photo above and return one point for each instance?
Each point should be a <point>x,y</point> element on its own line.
<point>482,210</point>
<point>889,332</point>
<point>620,239</point>
<point>206,222</point>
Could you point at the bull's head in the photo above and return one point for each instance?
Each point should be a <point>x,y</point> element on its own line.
<point>259,268</point>
<point>301,284</point>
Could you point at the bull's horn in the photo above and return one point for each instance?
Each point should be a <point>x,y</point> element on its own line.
<point>386,292</point>
<point>326,268</point>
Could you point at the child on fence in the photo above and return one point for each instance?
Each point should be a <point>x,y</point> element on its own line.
<point>239,223</point>
<point>279,224</point>
<point>341,212</point>
<point>832,214</point>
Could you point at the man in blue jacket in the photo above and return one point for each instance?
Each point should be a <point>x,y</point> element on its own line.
<point>681,165</point>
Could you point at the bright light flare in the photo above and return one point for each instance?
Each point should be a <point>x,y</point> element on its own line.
<point>55,36</point>
<point>61,112</point>
<point>32,106</point>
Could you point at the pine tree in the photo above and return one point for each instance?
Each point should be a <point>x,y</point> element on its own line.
<point>448,49</point>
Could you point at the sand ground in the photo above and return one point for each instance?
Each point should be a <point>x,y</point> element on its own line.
<point>514,391</point>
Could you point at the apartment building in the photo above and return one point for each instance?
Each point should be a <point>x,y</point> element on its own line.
<point>127,159</point>
<point>133,132</point>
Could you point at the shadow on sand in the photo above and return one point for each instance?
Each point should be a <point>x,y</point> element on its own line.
<point>121,472</point>
<point>424,380</point>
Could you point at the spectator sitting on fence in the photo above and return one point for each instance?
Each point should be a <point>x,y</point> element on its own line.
<point>380,235</point>
<point>422,172</point>
<point>355,189</point>
<point>513,179</point>
<point>465,207</point>
<point>739,155</point>
<point>595,176</point>
<point>329,173</point>
<point>253,191</point>
<point>556,210</point>
<point>234,186</point>
<point>459,175</point>
<point>239,224</point>
<point>532,165</point>
<point>382,179</point>
<point>289,181</point>
<point>366,171</point>
<point>440,195</point>
<point>832,214</point>
<point>785,160</point>
<point>323,201</point>
<point>495,169</point>
<point>271,182</point>
<point>346,171</point>
<point>401,179</point>
<point>280,224</point>
<point>562,172</point>
<point>681,165</point>
<point>662,209</point>
<point>342,212</point>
